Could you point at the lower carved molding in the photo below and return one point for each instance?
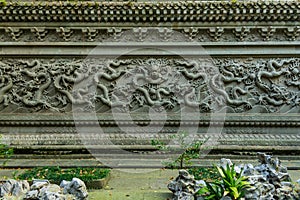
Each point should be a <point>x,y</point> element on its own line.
<point>142,141</point>
<point>63,133</point>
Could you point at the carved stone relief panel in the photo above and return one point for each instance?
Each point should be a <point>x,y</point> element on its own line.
<point>143,34</point>
<point>252,85</point>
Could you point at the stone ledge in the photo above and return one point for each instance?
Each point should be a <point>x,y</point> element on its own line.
<point>103,50</point>
<point>124,163</point>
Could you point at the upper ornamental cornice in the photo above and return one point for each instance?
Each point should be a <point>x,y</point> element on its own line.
<point>153,12</point>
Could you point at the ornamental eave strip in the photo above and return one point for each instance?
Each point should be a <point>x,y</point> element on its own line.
<point>197,11</point>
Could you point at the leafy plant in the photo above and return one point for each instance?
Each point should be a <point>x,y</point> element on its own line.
<point>214,190</point>
<point>232,184</point>
<point>189,151</point>
<point>57,174</point>
<point>6,152</point>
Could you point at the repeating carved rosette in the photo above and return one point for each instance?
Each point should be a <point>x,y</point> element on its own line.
<point>240,85</point>
<point>142,34</point>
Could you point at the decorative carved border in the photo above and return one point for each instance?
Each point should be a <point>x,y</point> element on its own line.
<point>240,33</point>
<point>49,141</point>
<point>154,12</point>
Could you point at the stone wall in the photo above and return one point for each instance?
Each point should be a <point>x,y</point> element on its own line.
<point>77,75</point>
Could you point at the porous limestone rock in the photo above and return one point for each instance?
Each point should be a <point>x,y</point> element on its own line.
<point>13,188</point>
<point>64,183</point>
<point>75,187</point>
<point>43,189</point>
<point>268,180</point>
<point>184,187</point>
<point>50,190</point>
<point>32,194</point>
<point>38,184</point>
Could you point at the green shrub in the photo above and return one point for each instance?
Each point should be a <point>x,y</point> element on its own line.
<point>232,184</point>
<point>57,174</point>
<point>213,190</point>
<point>6,152</point>
<point>188,151</point>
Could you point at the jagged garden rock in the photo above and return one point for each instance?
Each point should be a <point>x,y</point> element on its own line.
<point>38,184</point>
<point>184,187</point>
<point>75,187</point>
<point>13,188</point>
<point>269,180</point>
<point>43,190</point>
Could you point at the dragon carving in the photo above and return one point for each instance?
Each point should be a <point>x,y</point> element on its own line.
<point>239,85</point>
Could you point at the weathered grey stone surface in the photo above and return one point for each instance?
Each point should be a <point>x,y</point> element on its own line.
<point>184,186</point>
<point>14,188</point>
<point>38,184</point>
<point>43,189</point>
<point>270,180</point>
<point>52,191</point>
<point>75,187</point>
<point>32,194</point>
